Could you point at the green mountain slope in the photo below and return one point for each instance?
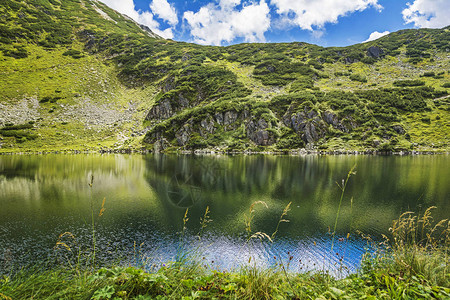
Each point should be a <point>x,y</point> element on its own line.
<point>75,74</point>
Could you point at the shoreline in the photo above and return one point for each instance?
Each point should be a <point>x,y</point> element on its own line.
<point>294,152</point>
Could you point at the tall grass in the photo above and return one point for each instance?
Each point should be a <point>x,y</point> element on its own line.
<point>419,246</point>
<point>342,187</point>
<point>67,250</point>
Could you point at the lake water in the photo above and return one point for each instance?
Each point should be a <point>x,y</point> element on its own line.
<point>146,197</point>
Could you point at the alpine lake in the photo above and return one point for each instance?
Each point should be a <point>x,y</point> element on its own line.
<point>150,209</point>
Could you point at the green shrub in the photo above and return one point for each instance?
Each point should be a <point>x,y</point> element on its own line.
<point>408,83</point>
<point>73,53</point>
<point>426,120</point>
<point>358,77</point>
<point>428,74</point>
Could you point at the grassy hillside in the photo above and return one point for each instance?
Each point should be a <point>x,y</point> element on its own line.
<point>75,74</point>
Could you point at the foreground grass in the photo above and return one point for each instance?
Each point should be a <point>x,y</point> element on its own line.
<point>190,281</point>
<point>413,264</point>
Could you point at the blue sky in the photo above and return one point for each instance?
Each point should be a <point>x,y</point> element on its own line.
<point>321,22</point>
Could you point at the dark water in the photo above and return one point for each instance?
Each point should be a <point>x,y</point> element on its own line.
<point>147,196</point>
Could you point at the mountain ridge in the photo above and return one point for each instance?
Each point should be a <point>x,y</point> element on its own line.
<point>83,80</point>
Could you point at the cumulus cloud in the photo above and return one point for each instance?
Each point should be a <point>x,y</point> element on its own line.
<point>145,17</point>
<point>311,15</point>
<point>165,11</point>
<point>376,35</point>
<point>428,13</point>
<point>214,24</point>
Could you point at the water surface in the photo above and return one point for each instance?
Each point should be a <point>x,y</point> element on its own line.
<point>147,196</point>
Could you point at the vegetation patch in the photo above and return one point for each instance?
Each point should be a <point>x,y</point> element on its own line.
<point>66,53</point>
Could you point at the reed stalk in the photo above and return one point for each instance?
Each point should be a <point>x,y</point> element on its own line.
<point>342,187</point>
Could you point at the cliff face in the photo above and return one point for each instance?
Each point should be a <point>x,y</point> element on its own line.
<point>78,75</point>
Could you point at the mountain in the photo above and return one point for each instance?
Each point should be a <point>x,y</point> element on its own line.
<point>75,74</point>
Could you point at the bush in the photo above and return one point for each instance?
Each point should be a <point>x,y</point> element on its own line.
<point>17,127</point>
<point>358,77</point>
<point>426,120</point>
<point>406,83</point>
<point>273,72</point>
<point>18,52</point>
<point>73,53</point>
<point>428,74</point>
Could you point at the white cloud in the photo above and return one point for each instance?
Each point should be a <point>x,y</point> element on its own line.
<point>376,35</point>
<point>165,11</point>
<point>214,24</point>
<point>307,14</point>
<point>428,13</point>
<point>317,34</point>
<point>126,7</point>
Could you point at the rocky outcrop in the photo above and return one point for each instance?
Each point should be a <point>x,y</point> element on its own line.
<point>310,126</point>
<point>160,111</point>
<point>375,52</point>
<point>160,145</point>
<point>207,126</point>
<point>306,124</point>
<point>257,132</point>
<point>219,118</point>
<point>169,84</point>
<point>88,37</point>
<point>168,107</point>
<point>184,134</point>
<point>333,120</point>
<point>399,129</point>
<point>350,60</point>
<point>230,117</point>
<point>147,30</point>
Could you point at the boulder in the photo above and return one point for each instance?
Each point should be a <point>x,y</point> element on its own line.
<point>375,52</point>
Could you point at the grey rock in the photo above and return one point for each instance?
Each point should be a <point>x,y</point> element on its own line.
<point>160,145</point>
<point>168,84</point>
<point>311,135</point>
<point>375,52</point>
<point>186,57</point>
<point>331,119</point>
<point>349,60</point>
<point>160,111</point>
<point>207,126</point>
<point>399,129</point>
<point>256,132</point>
<point>219,118</point>
<point>184,134</point>
<point>307,124</point>
<point>182,102</point>
<point>230,117</point>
